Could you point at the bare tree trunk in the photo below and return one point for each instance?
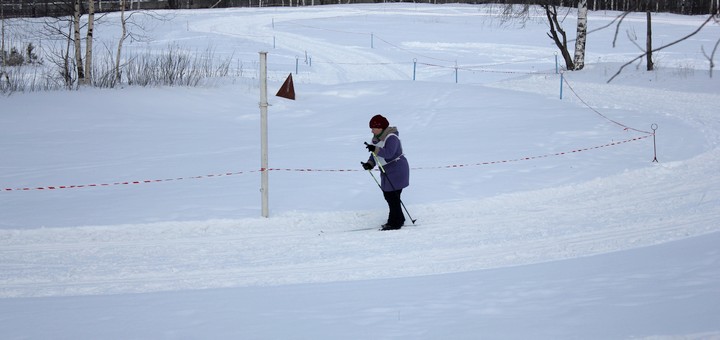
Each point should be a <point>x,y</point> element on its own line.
<point>118,75</point>
<point>648,44</point>
<point>89,42</point>
<point>555,28</point>
<point>711,56</point>
<point>78,44</point>
<point>67,75</point>
<point>709,19</point>
<point>581,35</point>
<point>2,49</point>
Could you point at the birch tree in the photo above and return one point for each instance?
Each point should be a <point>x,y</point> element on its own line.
<point>581,35</point>
<point>77,43</point>
<point>2,29</point>
<point>130,29</point>
<point>123,36</point>
<point>89,42</point>
<point>84,69</point>
<point>66,67</point>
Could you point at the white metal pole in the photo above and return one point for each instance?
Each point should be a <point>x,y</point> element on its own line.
<point>264,134</point>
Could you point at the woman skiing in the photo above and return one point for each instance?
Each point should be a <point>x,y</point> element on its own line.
<point>386,149</point>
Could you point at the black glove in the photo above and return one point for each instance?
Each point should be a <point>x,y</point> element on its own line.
<point>367,166</point>
<point>370,147</point>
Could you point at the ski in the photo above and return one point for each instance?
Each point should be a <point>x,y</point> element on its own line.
<point>363,229</point>
<point>380,228</point>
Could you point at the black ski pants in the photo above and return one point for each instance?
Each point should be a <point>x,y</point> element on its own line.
<point>395,217</point>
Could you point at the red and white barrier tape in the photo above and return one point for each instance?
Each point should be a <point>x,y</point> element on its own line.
<point>564,79</point>
<point>126,182</point>
<point>535,157</point>
<point>58,187</point>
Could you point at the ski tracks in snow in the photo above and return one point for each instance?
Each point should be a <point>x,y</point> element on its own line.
<point>643,207</point>
<point>336,63</point>
<point>640,208</point>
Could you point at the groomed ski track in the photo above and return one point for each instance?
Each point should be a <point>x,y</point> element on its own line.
<point>661,203</point>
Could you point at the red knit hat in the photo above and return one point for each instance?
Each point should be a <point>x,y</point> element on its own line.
<point>379,122</point>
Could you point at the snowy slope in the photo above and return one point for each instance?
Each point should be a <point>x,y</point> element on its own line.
<point>531,210</point>
<point>662,292</point>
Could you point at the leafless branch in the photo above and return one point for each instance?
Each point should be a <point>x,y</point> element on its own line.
<point>632,36</point>
<point>710,18</point>
<point>711,57</point>
<point>617,27</point>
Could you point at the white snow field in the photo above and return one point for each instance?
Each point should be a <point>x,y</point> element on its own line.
<point>134,213</point>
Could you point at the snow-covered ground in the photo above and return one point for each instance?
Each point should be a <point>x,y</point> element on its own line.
<point>135,212</point>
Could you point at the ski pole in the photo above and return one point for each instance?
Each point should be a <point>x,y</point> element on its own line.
<point>373,176</point>
<point>382,170</point>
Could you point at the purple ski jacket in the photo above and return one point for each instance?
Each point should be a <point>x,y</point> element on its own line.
<point>390,154</point>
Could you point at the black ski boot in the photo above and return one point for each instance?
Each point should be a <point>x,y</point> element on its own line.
<point>390,227</point>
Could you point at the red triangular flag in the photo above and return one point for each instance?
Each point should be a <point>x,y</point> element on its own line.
<point>287,90</point>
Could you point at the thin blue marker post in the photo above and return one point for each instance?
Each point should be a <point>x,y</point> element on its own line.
<point>273,42</point>
<point>372,40</point>
<point>297,64</point>
<point>561,83</point>
<point>456,72</point>
<point>414,68</point>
